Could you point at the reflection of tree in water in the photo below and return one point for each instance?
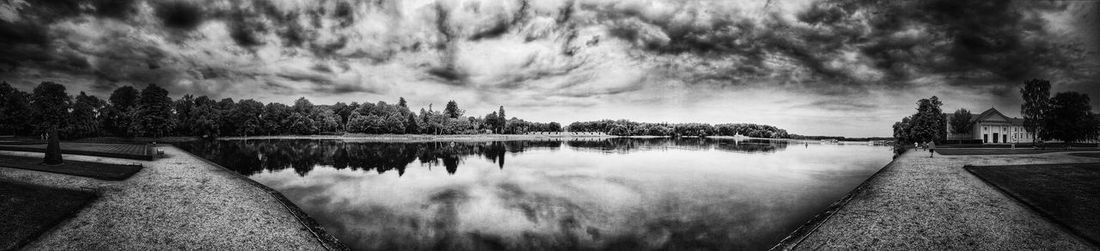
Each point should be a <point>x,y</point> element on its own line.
<point>625,145</point>
<point>253,157</point>
<point>250,157</point>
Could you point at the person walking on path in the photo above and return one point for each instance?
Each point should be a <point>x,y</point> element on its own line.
<point>931,148</point>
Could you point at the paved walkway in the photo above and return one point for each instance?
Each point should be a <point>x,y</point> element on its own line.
<point>934,204</point>
<point>176,202</point>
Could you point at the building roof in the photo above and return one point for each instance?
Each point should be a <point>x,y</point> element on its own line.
<point>992,112</point>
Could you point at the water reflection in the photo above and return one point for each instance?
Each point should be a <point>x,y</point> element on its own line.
<point>618,194</point>
<point>302,155</point>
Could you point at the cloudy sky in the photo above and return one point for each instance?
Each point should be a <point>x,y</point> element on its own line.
<point>814,67</point>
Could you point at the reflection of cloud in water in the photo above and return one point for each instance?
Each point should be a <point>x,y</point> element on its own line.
<point>485,214</point>
<point>653,195</point>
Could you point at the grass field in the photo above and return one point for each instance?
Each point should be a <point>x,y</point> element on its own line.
<point>1091,155</point>
<point>1066,193</point>
<point>125,151</point>
<point>96,170</point>
<point>976,151</point>
<point>1021,145</point>
<point>27,211</point>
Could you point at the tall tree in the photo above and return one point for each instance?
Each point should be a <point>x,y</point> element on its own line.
<point>412,125</point>
<point>153,116</point>
<point>928,123</point>
<point>402,103</point>
<point>1036,94</point>
<point>395,123</point>
<point>901,130</point>
<point>1069,118</point>
<point>276,118</point>
<point>326,119</point>
<point>554,127</point>
<point>119,115</point>
<point>491,119</point>
<point>357,123</point>
<point>343,110</point>
<point>185,114</point>
<point>50,106</point>
<point>227,124</point>
<point>425,121</point>
<point>205,118</point>
<point>84,116</point>
<point>301,124</point>
<point>960,121</point>
<point>247,115</point>
<point>502,120</point>
<point>15,111</point>
<point>452,110</point>
<point>303,106</point>
<point>125,97</point>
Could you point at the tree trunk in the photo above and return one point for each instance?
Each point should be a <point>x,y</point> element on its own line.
<point>53,149</point>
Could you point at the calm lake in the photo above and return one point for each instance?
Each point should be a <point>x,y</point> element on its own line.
<point>622,194</point>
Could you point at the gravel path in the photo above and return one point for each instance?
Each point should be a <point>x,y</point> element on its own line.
<point>176,202</point>
<point>934,204</point>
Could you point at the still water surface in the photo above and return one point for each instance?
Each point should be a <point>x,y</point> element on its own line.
<point>622,194</point>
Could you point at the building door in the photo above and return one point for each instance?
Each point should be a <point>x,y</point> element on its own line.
<point>1004,138</point>
<point>995,137</point>
<point>985,138</point>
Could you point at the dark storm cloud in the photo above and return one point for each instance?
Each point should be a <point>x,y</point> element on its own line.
<point>976,36</point>
<point>119,9</point>
<point>503,24</point>
<point>448,75</point>
<point>837,105</point>
<point>179,14</point>
<point>996,42</point>
<point>344,14</point>
<point>246,30</point>
<point>568,49</point>
<point>21,42</point>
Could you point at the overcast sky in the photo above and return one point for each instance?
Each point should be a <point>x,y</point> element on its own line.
<point>813,67</point>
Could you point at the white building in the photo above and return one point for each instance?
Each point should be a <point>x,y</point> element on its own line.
<point>993,127</point>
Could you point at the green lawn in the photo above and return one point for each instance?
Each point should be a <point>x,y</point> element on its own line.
<point>101,171</point>
<point>125,151</point>
<point>1068,194</point>
<point>971,151</point>
<point>1092,155</point>
<point>27,211</point>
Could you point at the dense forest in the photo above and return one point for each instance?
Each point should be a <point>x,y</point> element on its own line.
<point>631,128</point>
<point>149,112</point>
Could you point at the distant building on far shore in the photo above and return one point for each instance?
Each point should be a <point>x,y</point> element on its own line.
<point>993,127</point>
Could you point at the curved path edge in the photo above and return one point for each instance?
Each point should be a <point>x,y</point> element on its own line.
<point>327,240</point>
<point>799,234</point>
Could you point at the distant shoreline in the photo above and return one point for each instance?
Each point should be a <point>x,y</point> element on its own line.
<point>429,137</point>
<point>407,138</point>
<point>486,137</point>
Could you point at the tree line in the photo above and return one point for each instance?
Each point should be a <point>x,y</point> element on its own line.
<point>631,128</point>
<point>1067,117</point>
<point>149,112</point>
